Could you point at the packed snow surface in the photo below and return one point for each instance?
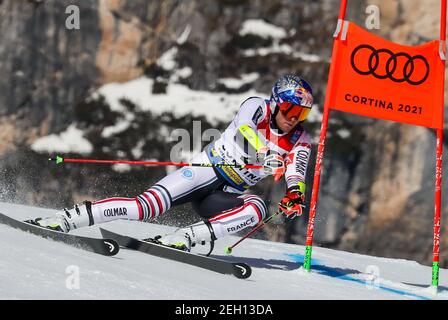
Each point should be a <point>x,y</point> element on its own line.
<point>37,268</point>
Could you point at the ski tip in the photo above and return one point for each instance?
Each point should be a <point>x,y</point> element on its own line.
<point>111,246</point>
<point>228,250</point>
<point>242,270</point>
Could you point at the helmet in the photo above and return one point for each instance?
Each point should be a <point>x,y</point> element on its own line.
<point>292,96</point>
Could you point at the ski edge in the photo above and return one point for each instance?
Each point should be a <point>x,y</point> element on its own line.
<point>238,269</point>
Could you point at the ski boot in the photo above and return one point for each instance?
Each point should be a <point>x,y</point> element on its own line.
<point>186,238</point>
<point>70,219</point>
<point>176,240</point>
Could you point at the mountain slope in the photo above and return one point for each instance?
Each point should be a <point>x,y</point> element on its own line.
<point>36,268</point>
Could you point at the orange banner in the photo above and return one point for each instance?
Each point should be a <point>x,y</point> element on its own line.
<point>374,77</point>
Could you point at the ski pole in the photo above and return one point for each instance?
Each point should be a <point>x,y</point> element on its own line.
<point>228,249</point>
<point>59,159</point>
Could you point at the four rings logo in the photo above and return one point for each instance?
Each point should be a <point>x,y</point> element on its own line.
<point>383,64</point>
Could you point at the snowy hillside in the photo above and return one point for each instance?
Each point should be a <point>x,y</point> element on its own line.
<point>36,268</point>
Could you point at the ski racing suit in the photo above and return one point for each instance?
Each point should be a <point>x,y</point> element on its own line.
<point>218,194</point>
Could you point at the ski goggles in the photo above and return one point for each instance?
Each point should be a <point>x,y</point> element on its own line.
<point>291,110</point>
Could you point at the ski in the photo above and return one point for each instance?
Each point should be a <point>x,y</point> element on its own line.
<point>239,270</point>
<point>107,247</point>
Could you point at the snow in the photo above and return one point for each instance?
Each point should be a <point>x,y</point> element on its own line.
<point>71,140</point>
<point>234,83</point>
<point>273,49</point>
<point>137,91</point>
<point>308,57</point>
<point>266,30</point>
<point>167,59</point>
<point>283,48</point>
<point>184,36</point>
<point>178,99</point>
<point>137,151</point>
<point>315,115</point>
<point>344,133</point>
<point>37,268</point>
<point>119,127</point>
<point>121,167</point>
<point>262,29</point>
<point>182,73</point>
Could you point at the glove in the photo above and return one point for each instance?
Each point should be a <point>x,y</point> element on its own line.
<point>273,164</point>
<point>292,203</point>
<point>261,155</point>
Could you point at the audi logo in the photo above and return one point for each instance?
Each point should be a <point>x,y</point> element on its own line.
<point>385,64</point>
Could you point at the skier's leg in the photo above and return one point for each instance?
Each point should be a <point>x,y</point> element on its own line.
<point>178,187</point>
<point>247,215</point>
<point>248,212</point>
<point>149,205</point>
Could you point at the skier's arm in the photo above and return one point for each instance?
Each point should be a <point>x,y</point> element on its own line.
<point>251,113</point>
<point>296,165</point>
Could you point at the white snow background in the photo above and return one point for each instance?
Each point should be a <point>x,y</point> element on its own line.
<point>35,268</point>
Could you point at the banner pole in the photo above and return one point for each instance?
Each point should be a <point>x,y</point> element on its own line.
<point>437,213</point>
<point>443,20</point>
<point>438,180</point>
<point>315,191</point>
<point>319,157</point>
<point>342,9</point>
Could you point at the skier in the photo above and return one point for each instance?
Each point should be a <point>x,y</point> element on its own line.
<point>265,132</point>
